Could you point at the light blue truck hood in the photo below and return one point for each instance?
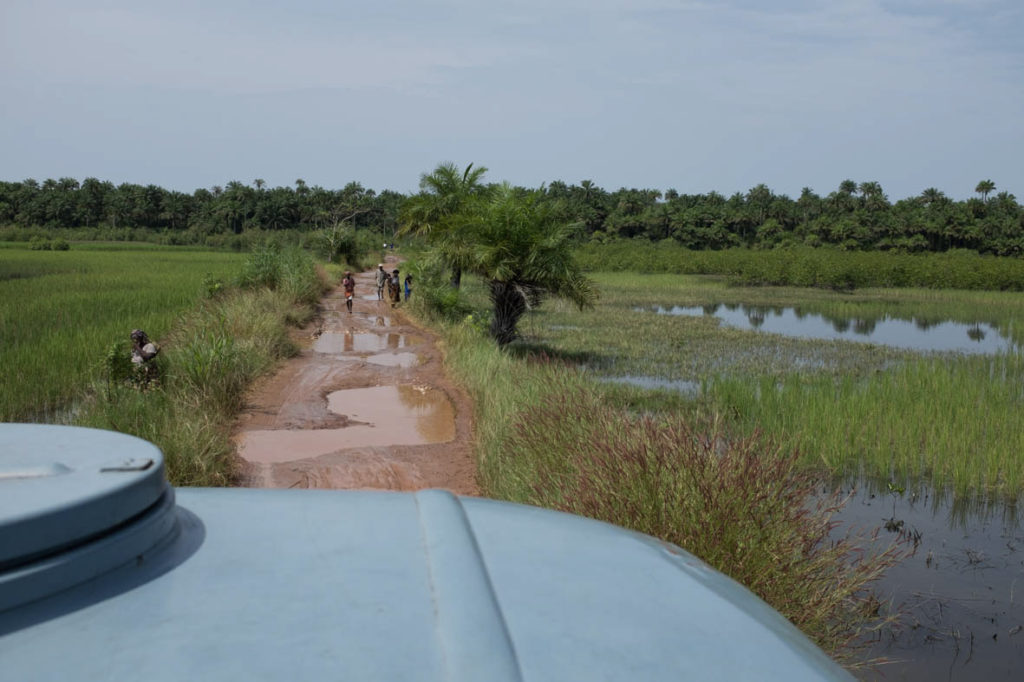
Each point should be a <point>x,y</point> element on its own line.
<point>106,573</point>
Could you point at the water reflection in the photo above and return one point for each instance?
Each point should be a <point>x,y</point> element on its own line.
<point>960,590</point>
<point>914,334</point>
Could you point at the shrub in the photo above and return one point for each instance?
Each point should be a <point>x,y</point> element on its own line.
<point>290,270</point>
<point>435,296</point>
<point>742,505</point>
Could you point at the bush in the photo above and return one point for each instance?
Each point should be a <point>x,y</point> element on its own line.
<point>290,270</point>
<point>435,296</point>
<point>340,243</point>
<point>826,267</point>
<point>742,505</point>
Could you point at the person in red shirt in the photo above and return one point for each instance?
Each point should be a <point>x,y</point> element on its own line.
<point>349,283</point>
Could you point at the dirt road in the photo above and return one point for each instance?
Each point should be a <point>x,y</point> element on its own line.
<point>365,404</point>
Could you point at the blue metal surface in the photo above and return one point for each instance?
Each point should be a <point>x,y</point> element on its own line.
<point>276,584</point>
<point>62,485</point>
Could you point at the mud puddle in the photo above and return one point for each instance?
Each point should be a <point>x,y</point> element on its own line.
<point>362,342</point>
<point>394,359</point>
<point>378,416</point>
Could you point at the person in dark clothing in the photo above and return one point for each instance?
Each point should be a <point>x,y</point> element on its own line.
<point>143,351</point>
<point>395,288</point>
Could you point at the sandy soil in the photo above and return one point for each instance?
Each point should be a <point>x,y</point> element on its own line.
<point>365,404</point>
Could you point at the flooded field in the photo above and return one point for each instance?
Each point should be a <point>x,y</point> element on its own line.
<point>961,592</point>
<point>691,388</point>
<point>912,334</point>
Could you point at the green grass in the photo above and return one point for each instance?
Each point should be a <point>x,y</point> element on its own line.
<point>852,408</point>
<point>60,311</point>
<point>215,337</point>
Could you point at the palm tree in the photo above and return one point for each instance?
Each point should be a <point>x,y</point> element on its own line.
<point>932,196</point>
<point>445,197</point>
<point>524,254</point>
<point>984,187</point>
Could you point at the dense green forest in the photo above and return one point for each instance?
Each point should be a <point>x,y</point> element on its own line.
<point>854,216</point>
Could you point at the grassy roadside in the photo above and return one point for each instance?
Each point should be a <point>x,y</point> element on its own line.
<point>210,357</point>
<point>548,436</point>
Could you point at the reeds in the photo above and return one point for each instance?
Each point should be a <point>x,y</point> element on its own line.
<point>957,423</point>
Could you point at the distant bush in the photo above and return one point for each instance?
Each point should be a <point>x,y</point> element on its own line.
<point>289,269</point>
<point>38,243</point>
<point>826,268</point>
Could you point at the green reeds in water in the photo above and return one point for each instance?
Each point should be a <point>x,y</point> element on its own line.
<point>956,422</point>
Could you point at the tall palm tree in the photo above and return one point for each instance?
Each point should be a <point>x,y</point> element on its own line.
<point>524,254</point>
<point>436,212</point>
<point>984,188</point>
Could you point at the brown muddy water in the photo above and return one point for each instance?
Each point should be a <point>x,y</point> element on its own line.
<point>960,594</point>
<point>394,359</point>
<point>377,416</point>
<point>362,342</point>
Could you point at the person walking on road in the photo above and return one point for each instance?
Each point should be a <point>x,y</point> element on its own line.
<point>408,286</point>
<point>395,288</point>
<point>349,283</point>
<point>382,279</point>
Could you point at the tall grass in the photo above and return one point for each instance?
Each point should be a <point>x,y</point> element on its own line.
<point>742,505</point>
<point>60,311</point>
<point>958,424</point>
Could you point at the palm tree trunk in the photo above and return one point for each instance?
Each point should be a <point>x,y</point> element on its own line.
<point>509,306</point>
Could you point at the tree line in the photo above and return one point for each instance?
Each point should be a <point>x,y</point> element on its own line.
<point>856,216</point>
<point>232,209</point>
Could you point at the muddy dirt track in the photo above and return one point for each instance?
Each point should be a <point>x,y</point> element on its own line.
<point>365,404</point>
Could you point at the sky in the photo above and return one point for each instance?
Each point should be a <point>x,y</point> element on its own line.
<point>695,96</point>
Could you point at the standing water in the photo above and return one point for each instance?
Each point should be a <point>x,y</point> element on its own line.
<point>913,334</point>
<point>960,593</point>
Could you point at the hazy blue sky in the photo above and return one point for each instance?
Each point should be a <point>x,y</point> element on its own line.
<point>696,96</point>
